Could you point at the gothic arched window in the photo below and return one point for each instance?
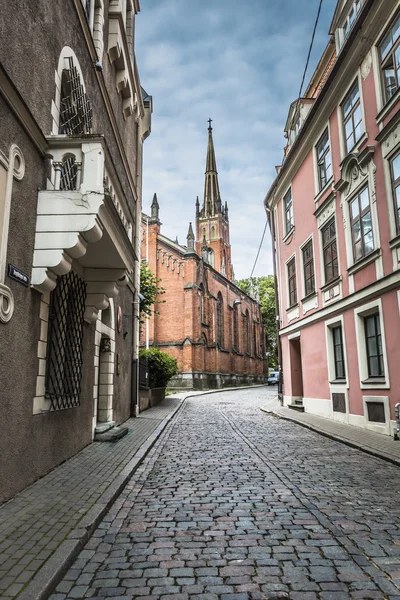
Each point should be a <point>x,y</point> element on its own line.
<point>255,340</point>
<point>220,322</point>
<point>202,313</point>
<point>211,257</point>
<point>248,335</point>
<point>235,328</point>
<point>212,232</point>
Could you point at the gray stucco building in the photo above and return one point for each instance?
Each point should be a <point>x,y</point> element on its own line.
<point>73,120</point>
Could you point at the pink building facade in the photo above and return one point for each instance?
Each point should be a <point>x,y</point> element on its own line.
<point>334,210</point>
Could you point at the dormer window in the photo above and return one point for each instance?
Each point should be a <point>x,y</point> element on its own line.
<point>343,32</point>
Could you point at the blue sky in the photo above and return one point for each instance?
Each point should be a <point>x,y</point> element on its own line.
<point>240,63</point>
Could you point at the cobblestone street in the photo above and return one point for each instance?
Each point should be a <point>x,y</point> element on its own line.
<point>235,504</point>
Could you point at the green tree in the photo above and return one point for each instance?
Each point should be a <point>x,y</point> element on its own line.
<point>161,366</point>
<point>266,291</point>
<point>150,291</point>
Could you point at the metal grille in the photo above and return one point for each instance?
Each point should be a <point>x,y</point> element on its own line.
<point>75,109</point>
<point>65,342</point>
<point>69,174</point>
<point>143,373</point>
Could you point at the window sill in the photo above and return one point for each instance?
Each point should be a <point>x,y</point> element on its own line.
<point>288,235</point>
<point>374,380</point>
<point>292,307</point>
<point>309,297</point>
<point>324,189</point>
<point>339,382</point>
<point>363,262</point>
<point>388,107</point>
<point>395,242</point>
<point>331,283</point>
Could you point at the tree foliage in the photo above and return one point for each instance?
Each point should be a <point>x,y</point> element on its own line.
<point>150,291</point>
<point>266,291</point>
<point>161,366</point>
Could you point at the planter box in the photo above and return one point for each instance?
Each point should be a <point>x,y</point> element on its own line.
<point>156,396</point>
<point>150,397</point>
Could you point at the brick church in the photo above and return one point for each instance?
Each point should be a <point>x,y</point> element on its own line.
<point>207,323</point>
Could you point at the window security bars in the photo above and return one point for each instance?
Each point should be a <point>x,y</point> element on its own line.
<point>75,108</point>
<point>352,117</point>
<point>389,50</point>
<point>220,326</point>
<point>395,172</point>
<point>308,268</point>
<point>69,174</point>
<point>338,353</point>
<point>361,225</point>
<point>331,268</point>
<point>288,204</point>
<point>291,269</point>
<point>65,342</point>
<point>324,160</point>
<point>373,340</point>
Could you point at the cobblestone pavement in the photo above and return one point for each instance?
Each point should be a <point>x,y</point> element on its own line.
<point>234,504</point>
<point>36,521</point>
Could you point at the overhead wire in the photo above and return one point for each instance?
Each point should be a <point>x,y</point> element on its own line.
<point>294,113</point>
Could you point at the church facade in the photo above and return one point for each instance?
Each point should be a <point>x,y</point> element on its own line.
<point>205,320</point>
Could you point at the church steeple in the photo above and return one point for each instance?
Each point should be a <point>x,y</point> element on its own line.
<point>212,224</point>
<point>155,210</point>
<point>212,197</point>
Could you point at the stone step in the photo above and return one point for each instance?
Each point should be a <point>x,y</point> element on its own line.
<point>103,427</point>
<point>112,435</point>
<point>298,407</point>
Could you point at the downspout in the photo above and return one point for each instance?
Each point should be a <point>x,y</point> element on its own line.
<point>271,222</point>
<point>136,303</point>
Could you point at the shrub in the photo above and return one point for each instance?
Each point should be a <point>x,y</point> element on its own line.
<point>161,366</point>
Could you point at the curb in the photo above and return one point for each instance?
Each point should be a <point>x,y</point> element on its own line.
<point>54,569</point>
<point>336,437</point>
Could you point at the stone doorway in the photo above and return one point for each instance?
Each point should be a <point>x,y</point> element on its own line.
<point>104,362</point>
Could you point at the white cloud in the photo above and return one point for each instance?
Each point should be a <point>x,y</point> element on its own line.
<point>242,66</point>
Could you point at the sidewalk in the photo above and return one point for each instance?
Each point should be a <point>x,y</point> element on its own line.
<point>382,446</point>
<point>46,524</point>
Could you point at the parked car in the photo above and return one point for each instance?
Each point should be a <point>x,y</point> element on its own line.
<point>273,378</point>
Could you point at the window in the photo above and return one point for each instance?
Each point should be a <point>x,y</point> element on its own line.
<point>248,334</point>
<point>65,342</point>
<point>373,342</point>
<point>210,257</point>
<point>352,117</point>
<point>338,353</point>
<point>291,270</point>
<point>395,172</point>
<point>351,17</point>
<point>75,109</point>
<point>255,346</point>
<point>235,328</point>
<point>202,316</point>
<point>220,322</point>
<point>361,225</point>
<point>329,248</point>
<point>324,160</point>
<point>288,206</point>
<point>308,268</point>
<point>389,51</point>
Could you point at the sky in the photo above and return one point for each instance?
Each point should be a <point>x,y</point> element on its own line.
<point>239,62</point>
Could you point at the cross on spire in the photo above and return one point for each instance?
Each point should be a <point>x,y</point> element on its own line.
<point>209,123</point>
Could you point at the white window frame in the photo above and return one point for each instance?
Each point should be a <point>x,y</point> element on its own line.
<point>360,313</point>
<point>285,232</point>
<point>319,191</point>
<point>303,283</point>
<point>342,132</point>
<point>333,382</point>
<point>288,307</point>
<point>339,34</point>
<point>371,425</point>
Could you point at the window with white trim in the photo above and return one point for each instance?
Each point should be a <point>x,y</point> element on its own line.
<point>361,225</point>
<point>338,352</point>
<point>395,175</point>
<point>288,208</point>
<point>324,160</point>
<point>329,249</point>
<point>389,54</point>
<point>292,283</point>
<point>373,345</point>
<point>308,268</point>
<point>352,117</point>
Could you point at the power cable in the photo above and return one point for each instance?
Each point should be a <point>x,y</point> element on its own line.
<point>294,113</point>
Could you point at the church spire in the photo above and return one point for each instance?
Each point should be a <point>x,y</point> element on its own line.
<point>155,209</point>
<point>212,197</point>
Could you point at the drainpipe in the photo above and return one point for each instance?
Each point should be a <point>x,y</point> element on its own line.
<point>271,222</point>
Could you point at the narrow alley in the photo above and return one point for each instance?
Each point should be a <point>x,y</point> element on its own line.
<point>235,504</point>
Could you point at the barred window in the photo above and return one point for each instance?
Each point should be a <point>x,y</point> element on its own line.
<point>65,342</point>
